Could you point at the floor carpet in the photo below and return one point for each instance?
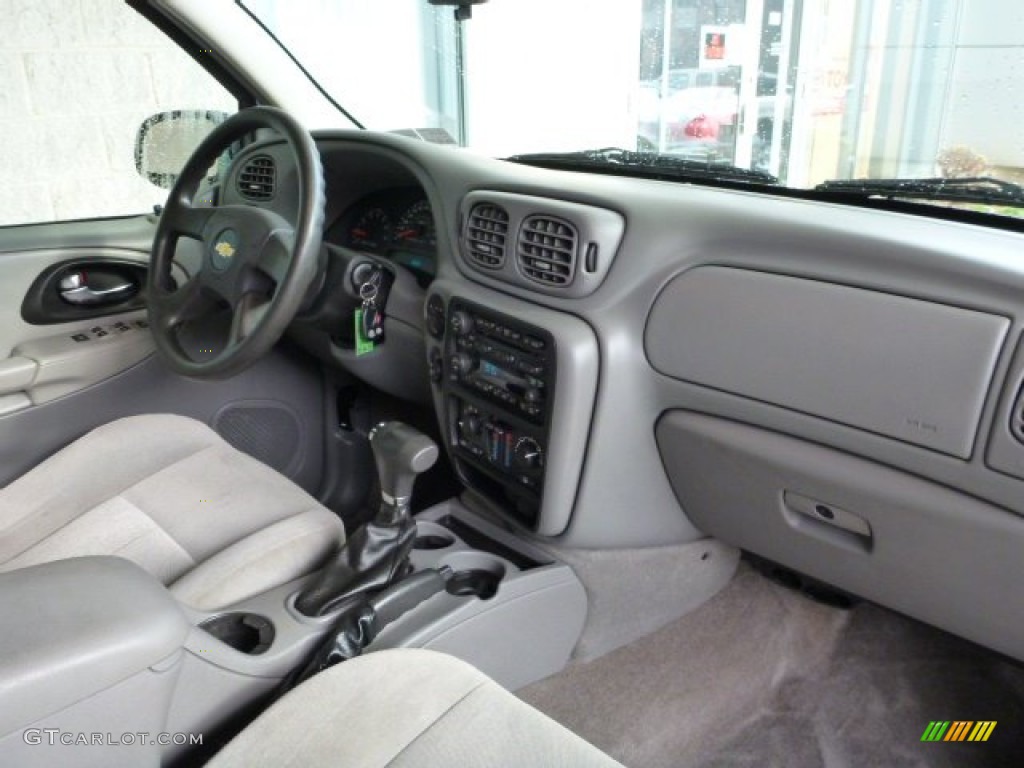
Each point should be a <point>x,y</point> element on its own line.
<point>762,676</point>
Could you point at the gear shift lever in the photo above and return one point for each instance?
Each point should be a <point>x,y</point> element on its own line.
<point>376,554</point>
<point>401,453</point>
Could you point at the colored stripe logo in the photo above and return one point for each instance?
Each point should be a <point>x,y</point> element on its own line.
<point>959,730</point>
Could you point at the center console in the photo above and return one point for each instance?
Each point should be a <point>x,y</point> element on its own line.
<point>514,387</point>
<point>499,392</point>
<point>122,656</point>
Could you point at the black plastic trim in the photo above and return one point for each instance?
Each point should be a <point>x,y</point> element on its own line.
<point>42,304</point>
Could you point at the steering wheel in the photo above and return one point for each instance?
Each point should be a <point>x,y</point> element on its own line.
<point>254,261</point>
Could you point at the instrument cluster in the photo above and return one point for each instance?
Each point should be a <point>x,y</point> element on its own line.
<point>394,224</point>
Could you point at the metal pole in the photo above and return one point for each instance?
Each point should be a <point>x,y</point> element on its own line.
<point>666,63</point>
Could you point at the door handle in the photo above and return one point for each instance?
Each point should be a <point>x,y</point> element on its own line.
<point>75,290</point>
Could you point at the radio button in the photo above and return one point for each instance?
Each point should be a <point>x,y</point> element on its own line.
<point>534,343</point>
<point>461,364</point>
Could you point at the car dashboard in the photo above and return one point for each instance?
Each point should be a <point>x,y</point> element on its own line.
<point>620,362</point>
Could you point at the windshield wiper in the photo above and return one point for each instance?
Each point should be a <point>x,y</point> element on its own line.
<point>645,164</point>
<point>976,189</point>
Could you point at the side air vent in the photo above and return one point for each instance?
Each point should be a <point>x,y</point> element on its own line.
<point>547,250</point>
<point>256,179</point>
<point>486,233</point>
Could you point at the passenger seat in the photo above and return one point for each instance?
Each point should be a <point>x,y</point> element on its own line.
<point>405,708</point>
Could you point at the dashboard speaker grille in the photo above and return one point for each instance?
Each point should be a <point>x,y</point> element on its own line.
<point>486,234</point>
<point>257,178</point>
<point>547,250</point>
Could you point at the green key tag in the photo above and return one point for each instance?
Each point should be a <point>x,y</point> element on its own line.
<point>363,345</point>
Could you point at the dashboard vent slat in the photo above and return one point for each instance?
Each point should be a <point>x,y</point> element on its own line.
<point>257,179</point>
<point>486,235</point>
<point>546,250</point>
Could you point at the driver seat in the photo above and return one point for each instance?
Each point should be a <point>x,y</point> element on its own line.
<point>169,494</point>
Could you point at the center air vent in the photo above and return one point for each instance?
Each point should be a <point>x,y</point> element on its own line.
<point>547,250</point>
<point>257,177</point>
<point>486,232</point>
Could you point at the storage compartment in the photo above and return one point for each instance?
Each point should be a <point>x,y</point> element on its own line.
<point>476,574</point>
<point>872,530</point>
<point>431,536</point>
<point>248,633</point>
<point>106,637</point>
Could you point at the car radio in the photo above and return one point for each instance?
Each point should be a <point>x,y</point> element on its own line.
<point>499,382</point>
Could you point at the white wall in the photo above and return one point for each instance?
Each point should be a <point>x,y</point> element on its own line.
<point>76,79</point>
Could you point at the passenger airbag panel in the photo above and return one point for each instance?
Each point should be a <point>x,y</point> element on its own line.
<point>912,370</point>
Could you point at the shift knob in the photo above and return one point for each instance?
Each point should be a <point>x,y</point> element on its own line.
<point>401,453</point>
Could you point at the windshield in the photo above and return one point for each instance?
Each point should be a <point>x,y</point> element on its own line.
<point>806,91</point>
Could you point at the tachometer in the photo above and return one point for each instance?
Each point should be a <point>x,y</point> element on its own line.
<point>371,231</point>
<point>416,227</point>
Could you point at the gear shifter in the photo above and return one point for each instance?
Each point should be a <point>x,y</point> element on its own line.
<point>377,554</point>
<point>401,453</point>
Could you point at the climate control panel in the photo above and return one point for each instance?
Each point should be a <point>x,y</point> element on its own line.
<point>499,444</point>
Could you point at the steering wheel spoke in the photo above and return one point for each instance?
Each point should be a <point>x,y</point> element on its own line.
<point>188,302</point>
<point>246,316</point>
<point>276,257</point>
<point>188,221</point>
<point>254,259</point>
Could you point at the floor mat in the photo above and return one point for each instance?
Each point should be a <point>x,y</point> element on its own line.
<point>762,676</point>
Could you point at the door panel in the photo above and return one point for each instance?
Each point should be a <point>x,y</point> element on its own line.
<point>60,379</point>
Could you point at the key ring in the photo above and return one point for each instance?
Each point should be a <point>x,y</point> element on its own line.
<point>368,290</point>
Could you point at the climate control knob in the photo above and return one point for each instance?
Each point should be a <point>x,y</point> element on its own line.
<point>529,454</point>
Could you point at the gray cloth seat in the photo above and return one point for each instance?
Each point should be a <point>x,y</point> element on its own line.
<point>405,708</point>
<point>167,493</point>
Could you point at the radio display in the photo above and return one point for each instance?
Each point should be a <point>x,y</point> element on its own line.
<point>502,377</point>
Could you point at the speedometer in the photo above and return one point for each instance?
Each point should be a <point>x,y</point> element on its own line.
<point>416,227</point>
<point>371,230</point>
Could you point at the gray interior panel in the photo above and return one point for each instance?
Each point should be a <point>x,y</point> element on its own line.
<point>919,548</point>
<point>1006,446</point>
<point>62,624</point>
<point>912,370</point>
<point>133,706</point>
<point>20,269</point>
<point>525,632</point>
<point>67,362</point>
<point>279,383</point>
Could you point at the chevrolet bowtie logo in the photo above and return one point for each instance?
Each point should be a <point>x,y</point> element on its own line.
<point>225,249</point>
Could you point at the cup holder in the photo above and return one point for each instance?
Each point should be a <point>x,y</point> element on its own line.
<point>249,633</point>
<point>431,536</point>
<point>476,575</point>
<point>433,541</point>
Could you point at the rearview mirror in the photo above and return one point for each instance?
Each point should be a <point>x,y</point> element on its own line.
<point>166,140</point>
